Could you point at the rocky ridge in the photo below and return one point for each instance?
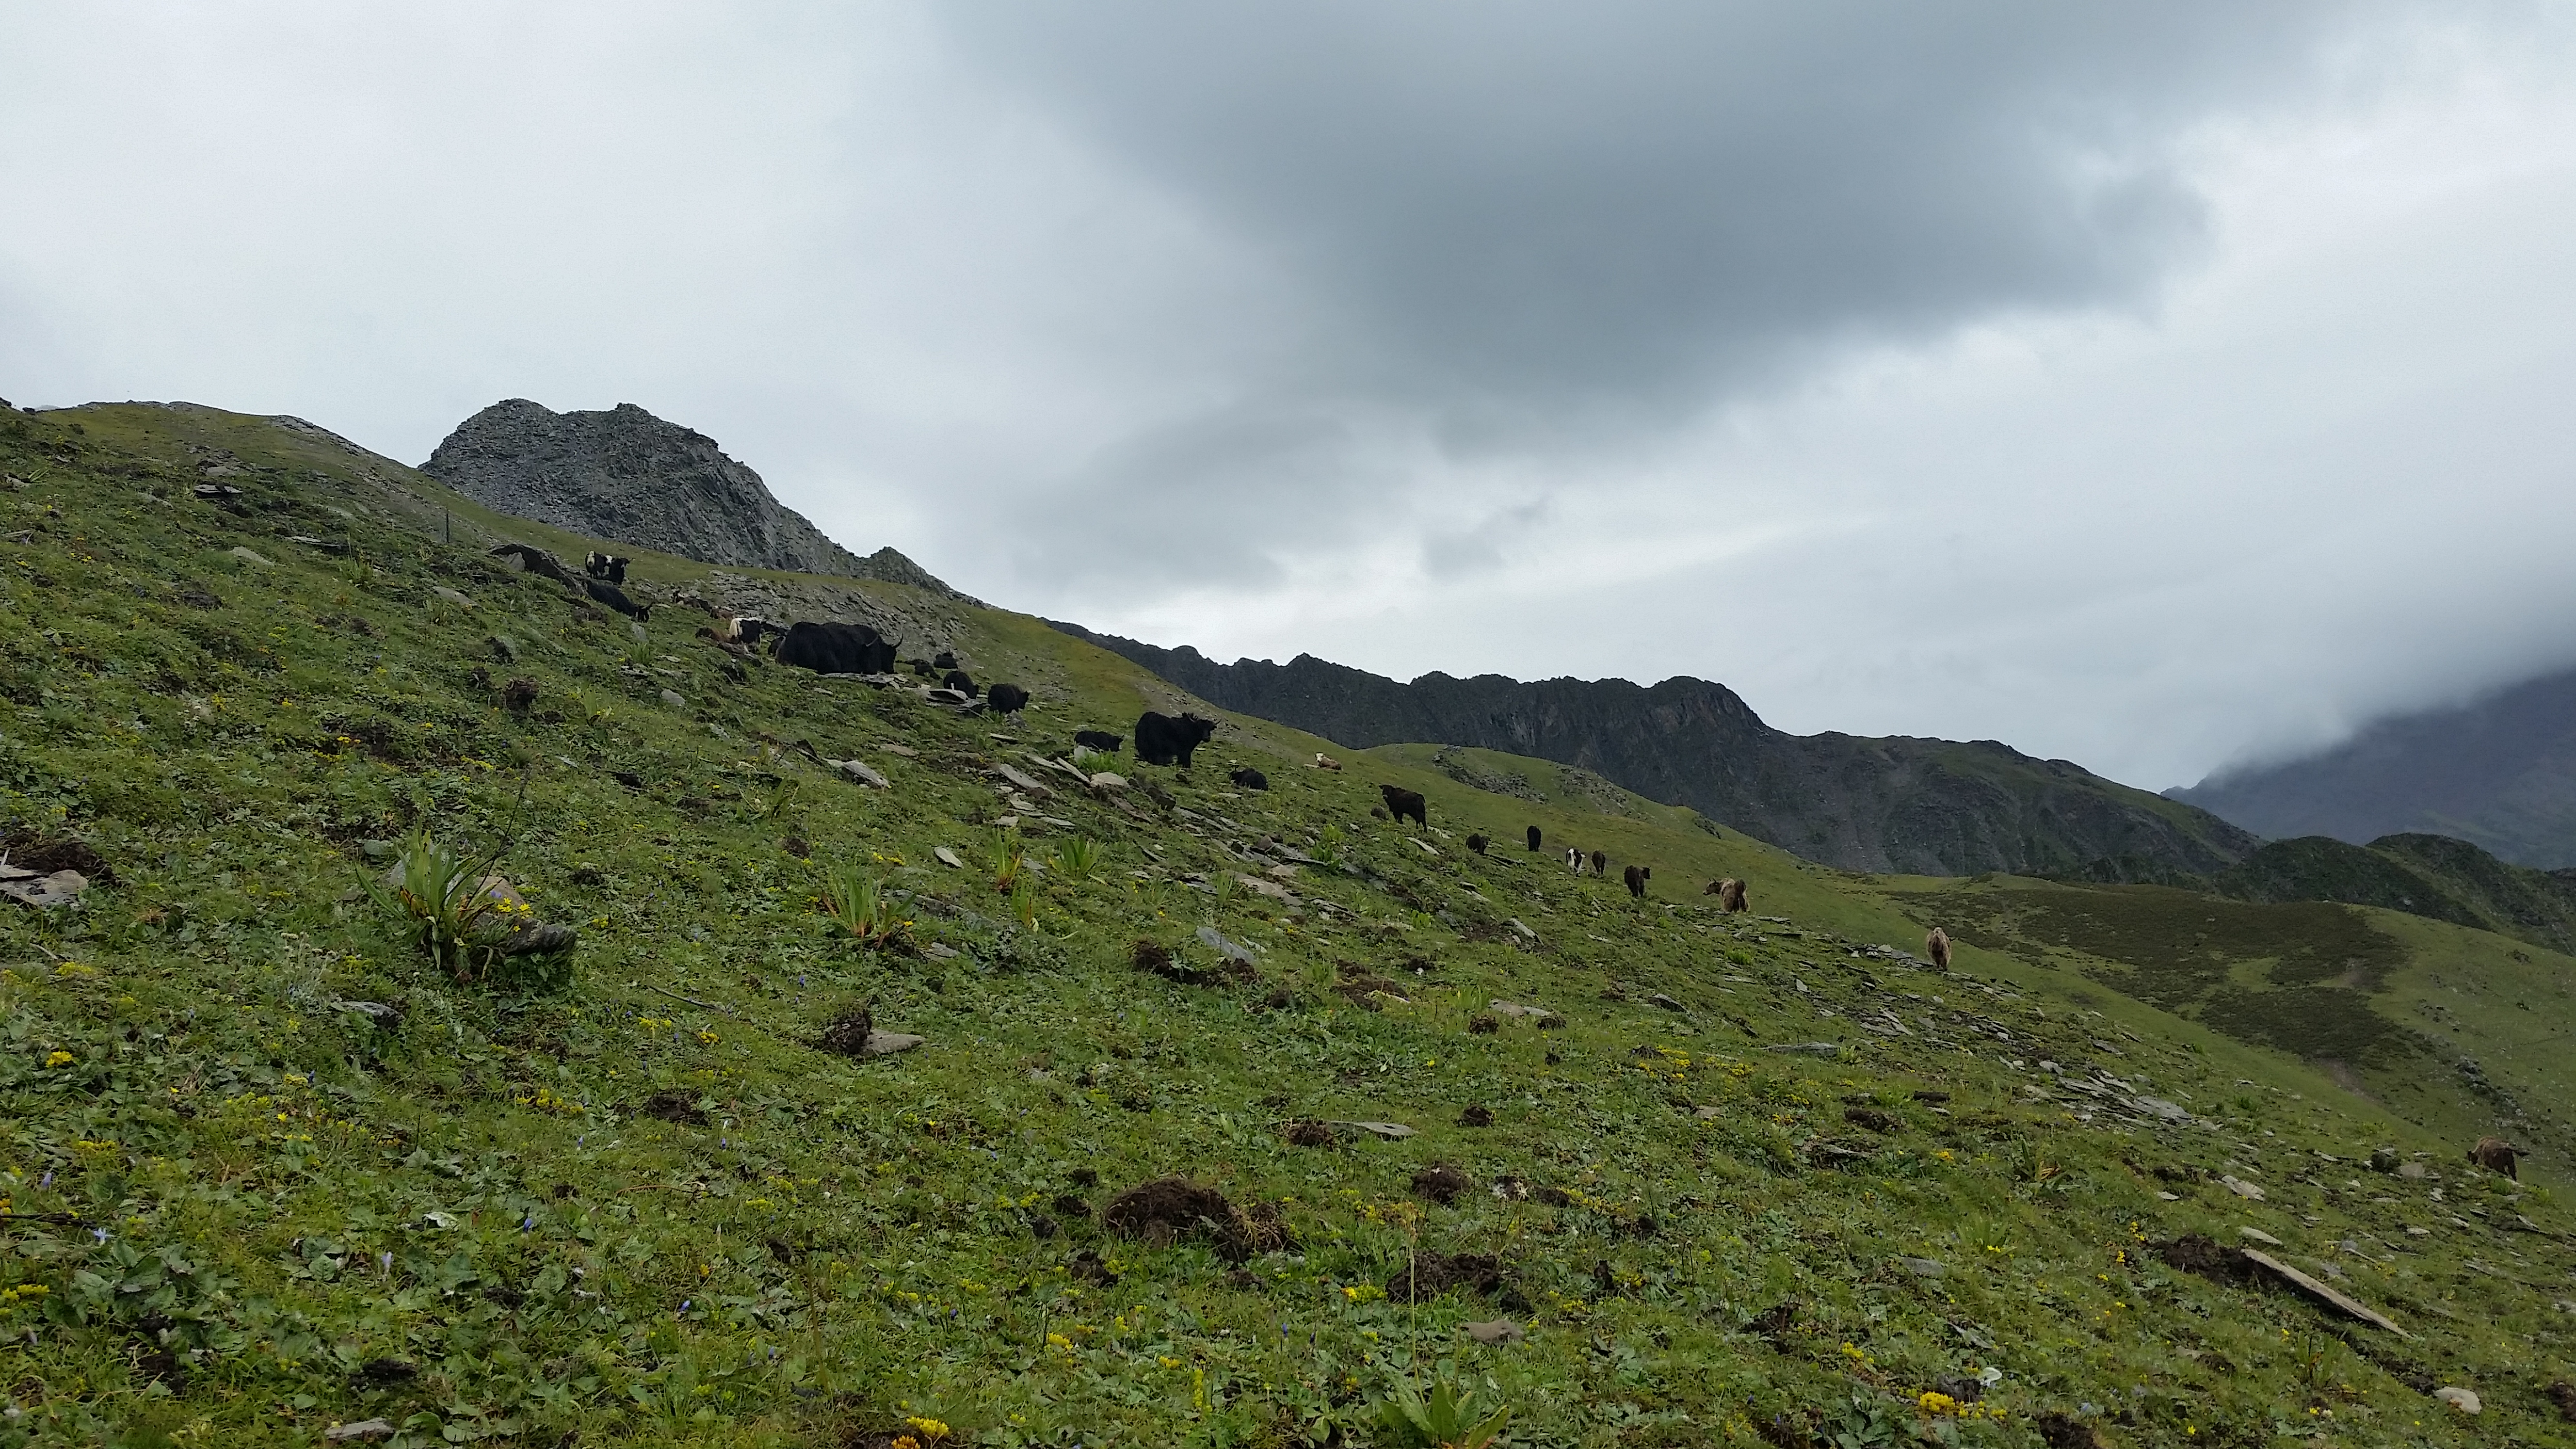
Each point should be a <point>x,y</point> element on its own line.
<point>1915,806</point>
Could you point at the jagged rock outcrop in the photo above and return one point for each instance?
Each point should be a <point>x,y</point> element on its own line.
<point>627,475</point>
<point>1930,807</point>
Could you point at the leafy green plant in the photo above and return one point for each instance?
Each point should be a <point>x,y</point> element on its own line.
<point>859,906</point>
<point>1024,900</point>
<point>1007,860</point>
<point>1443,1419</point>
<point>1079,856</point>
<point>442,893</point>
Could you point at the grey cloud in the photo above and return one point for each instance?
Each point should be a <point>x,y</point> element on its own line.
<point>1596,211</point>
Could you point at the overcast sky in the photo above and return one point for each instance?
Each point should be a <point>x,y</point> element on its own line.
<point>2152,386</point>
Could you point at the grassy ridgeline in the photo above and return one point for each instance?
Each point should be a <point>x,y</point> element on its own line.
<point>651,1207</point>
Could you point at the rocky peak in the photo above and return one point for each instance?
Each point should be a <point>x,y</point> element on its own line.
<point>627,475</point>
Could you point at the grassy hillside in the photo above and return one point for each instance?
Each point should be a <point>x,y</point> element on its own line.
<point>1755,1179</point>
<point>2434,876</point>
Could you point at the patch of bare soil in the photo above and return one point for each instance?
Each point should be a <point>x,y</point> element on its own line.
<point>1430,1275</point>
<point>1312,1134</point>
<point>1171,1208</point>
<point>674,1105</point>
<point>847,1034</point>
<point>2194,1253</point>
<point>1442,1183</point>
<point>45,854</point>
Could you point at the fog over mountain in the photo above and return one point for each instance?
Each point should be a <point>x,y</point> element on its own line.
<point>2156,388</point>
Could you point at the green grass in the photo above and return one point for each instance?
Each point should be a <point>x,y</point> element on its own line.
<point>647,1207</point>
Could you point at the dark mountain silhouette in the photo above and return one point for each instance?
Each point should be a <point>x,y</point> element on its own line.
<point>1930,807</point>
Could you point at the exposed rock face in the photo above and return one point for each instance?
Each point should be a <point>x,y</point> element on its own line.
<point>2500,773</point>
<point>627,475</point>
<point>1931,807</point>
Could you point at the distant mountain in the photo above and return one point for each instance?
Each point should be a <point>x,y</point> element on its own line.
<point>2500,772</point>
<point>1926,807</point>
<point>628,475</point>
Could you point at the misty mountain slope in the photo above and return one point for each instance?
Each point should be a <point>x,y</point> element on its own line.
<point>626,475</point>
<point>2500,772</point>
<point>1925,807</point>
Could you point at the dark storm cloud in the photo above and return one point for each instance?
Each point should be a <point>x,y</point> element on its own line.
<point>1542,218</point>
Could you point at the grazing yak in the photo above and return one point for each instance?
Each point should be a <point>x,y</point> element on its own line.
<point>1326,762</point>
<point>1476,843</point>
<point>1729,893</point>
<point>1937,947</point>
<point>830,648</point>
<point>1006,699</point>
<point>1574,859</point>
<point>606,566</point>
<point>962,682</point>
<point>603,592</point>
<point>1101,740</point>
<point>1635,876</point>
<point>945,659</point>
<point>1533,837</point>
<point>1402,803</point>
<point>2497,1155</point>
<point>746,630</point>
<point>1163,740</point>
<point>1250,779</point>
<point>1600,862</point>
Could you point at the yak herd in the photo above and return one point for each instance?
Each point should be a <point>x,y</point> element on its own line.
<point>831,647</point>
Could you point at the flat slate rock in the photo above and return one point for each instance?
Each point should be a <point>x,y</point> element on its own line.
<point>2351,1307</point>
<point>1500,1330</point>
<point>887,1043</point>
<point>1210,938</point>
<point>1391,1131</point>
<point>947,857</point>
<point>863,772</point>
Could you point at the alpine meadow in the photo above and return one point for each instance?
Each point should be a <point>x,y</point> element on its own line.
<point>442,1008</point>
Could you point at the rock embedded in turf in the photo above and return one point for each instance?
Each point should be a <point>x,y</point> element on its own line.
<point>2464,1400</point>
<point>863,772</point>
<point>887,1043</point>
<point>1500,1330</point>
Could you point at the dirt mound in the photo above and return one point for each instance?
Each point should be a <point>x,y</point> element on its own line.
<point>2193,1253</point>
<point>847,1033</point>
<point>1171,1208</point>
<point>1476,1117</point>
<point>2065,1431</point>
<point>1433,1274</point>
<point>1311,1134</point>
<point>45,854</point>
<point>674,1105</point>
<point>1442,1183</point>
<point>1158,959</point>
